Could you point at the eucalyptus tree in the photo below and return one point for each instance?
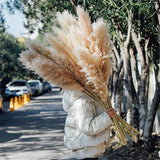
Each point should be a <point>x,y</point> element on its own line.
<point>134,30</point>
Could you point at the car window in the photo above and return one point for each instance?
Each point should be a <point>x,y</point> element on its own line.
<point>33,84</point>
<point>18,83</point>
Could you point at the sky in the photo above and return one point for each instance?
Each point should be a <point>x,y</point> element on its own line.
<point>14,23</point>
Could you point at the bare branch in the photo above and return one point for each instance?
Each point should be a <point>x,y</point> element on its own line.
<point>138,47</point>
<point>146,50</point>
<point>129,29</point>
<point>73,3</point>
<point>134,68</point>
<point>117,30</point>
<point>157,4</point>
<point>116,54</point>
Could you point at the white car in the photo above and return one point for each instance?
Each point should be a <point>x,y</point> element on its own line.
<point>18,87</point>
<point>36,86</point>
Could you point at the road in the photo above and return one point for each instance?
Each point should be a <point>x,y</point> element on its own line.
<point>35,131</point>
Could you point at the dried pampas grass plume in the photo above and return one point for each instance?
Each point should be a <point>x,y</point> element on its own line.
<point>80,50</point>
<point>78,58</point>
<point>51,66</point>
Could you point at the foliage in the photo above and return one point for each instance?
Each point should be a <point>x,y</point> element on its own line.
<point>115,12</point>
<point>144,19</point>
<point>43,13</point>
<point>10,67</point>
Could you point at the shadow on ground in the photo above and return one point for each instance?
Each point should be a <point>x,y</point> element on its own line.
<point>36,128</point>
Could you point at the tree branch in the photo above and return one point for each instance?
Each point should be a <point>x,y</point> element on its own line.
<point>129,29</point>
<point>153,109</point>
<point>146,51</point>
<point>157,4</point>
<point>116,55</point>
<point>138,47</point>
<point>73,3</point>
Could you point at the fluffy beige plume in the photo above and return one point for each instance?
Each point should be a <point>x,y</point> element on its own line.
<point>95,54</point>
<point>81,50</point>
<point>101,34</point>
<point>79,58</point>
<point>66,20</point>
<point>84,21</point>
<point>50,66</point>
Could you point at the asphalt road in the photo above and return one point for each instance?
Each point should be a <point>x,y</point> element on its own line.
<point>35,131</point>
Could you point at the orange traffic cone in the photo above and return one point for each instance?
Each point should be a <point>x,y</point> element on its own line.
<point>1,109</point>
<point>11,104</point>
<point>15,102</point>
<point>28,98</point>
<point>19,102</point>
<point>25,99</point>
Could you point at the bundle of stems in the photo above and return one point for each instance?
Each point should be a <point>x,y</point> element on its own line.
<point>79,58</point>
<point>122,127</point>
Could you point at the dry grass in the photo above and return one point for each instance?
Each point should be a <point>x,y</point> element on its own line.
<point>79,59</point>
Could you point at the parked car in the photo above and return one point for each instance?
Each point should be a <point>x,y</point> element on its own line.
<point>17,88</point>
<point>54,86</point>
<point>36,86</point>
<point>46,87</point>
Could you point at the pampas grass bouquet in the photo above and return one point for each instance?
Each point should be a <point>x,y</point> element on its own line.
<point>79,59</point>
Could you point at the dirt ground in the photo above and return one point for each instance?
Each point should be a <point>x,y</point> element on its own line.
<point>117,152</point>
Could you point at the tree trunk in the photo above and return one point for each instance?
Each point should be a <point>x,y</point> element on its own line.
<point>142,81</point>
<point>128,81</point>
<point>157,4</point>
<point>151,114</point>
<point>142,99</point>
<point>157,122</point>
<point>116,80</point>
<point>118,88</point>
